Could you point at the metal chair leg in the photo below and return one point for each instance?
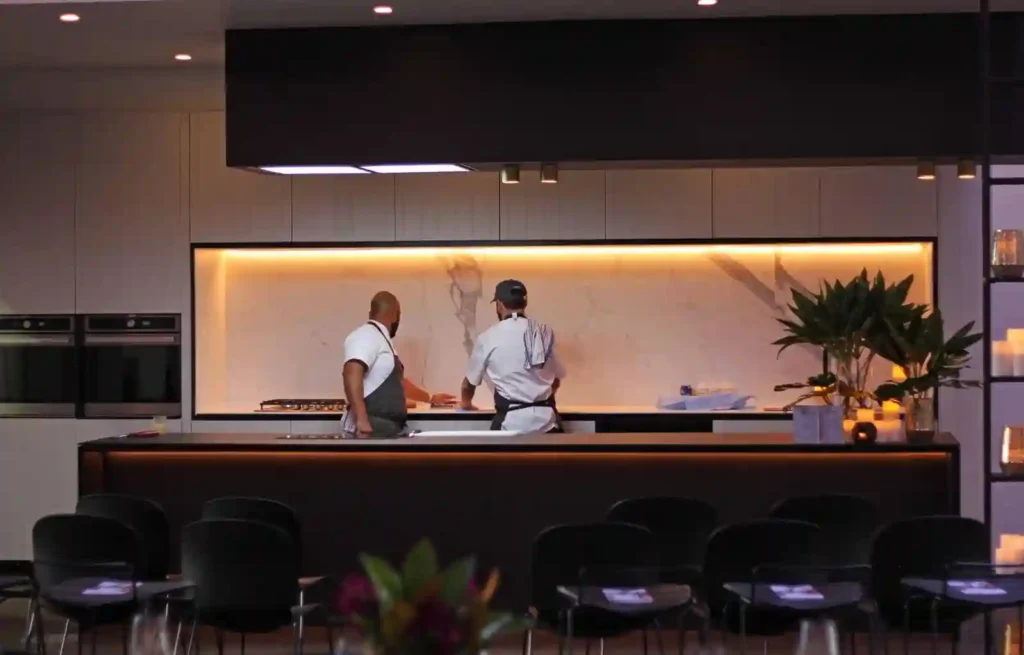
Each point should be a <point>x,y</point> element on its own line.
<point>934,612</point>
<point>64,637</point>
<point>30,620</point>
<point>568,631</point>
<point>220,642</point>
<point>586,647</point>
<point>192,637</point>
<point>805,633</point>
<point>177,637</point>
<point>528,642</point>
<point>661,642</point>
<point>243,642</point>
<point>906,628</point>
<point>832,637</point>
<point>601,646</point>
<point>743,629</point>
<point>645,642</point>
<point>40,631</point>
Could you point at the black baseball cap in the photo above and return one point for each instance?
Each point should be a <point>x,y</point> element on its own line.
<point>509,291</point>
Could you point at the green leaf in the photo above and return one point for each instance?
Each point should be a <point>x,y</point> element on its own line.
<point>455,580</point>
<point>387,583</point>
<point>419,567</point>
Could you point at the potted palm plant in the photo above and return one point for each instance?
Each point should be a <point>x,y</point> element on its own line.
<point>930,361</point>
<point>844,320</point>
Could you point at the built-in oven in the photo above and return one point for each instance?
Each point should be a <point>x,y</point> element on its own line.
<point>131,365</point>
<point>38,369</point>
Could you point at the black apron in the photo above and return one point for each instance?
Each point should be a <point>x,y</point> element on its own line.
<point>502,406</point>
<point>385,406</point>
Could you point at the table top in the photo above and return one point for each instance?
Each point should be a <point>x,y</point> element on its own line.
<point>664,442</point>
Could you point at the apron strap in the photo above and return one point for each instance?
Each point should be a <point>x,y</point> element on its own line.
<point>386,339</point>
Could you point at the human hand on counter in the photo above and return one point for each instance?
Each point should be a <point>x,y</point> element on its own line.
<point>467,406</point>
<point>363,427</point>
<point>442,400</point>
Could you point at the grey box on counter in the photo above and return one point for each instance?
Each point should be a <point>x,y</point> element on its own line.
<point>813,424</point>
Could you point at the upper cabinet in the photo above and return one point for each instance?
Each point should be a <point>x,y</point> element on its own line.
<point>37,222</point>
<point>659,204</point>
<point>230,205</point>
<point>343,208</point>
<point>446,206</point>
<point>877,201</point>
<point>573,208</point>
<point>766,203</point>
<point>132,221</point>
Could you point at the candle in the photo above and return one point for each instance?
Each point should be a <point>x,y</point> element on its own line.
<point>1015,334</point>
<point>865,415</point>
<point>1017,357</point>
<point>898,374</point>
<point>890,409</point>
<point>1002,358</point>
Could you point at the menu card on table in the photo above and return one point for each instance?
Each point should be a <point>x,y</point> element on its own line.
<point>797,592</point>
<point>620,596</point>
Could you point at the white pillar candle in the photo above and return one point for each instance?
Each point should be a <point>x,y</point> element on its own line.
<point>1015,334</point>
<point>1002,358</point>
<point>865,415</point>
<point>890,409</point>
<point>1017,350</point>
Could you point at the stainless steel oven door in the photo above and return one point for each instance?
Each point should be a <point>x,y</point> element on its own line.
<point>131,375</point>
<point>38,375</point>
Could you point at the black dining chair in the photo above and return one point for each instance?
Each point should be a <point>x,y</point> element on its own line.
<point>594,554</point>
<point>148,520</point>
<point>76,546</point>
<point>246,578</point>
<point>848,523</point>
<point>16,584</point>
<point>745,560</point>
<point>924,547</point>
<point>681,528</point>
<point>276,513</point>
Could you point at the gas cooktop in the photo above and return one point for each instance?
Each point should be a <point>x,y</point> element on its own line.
<point>328,405</point>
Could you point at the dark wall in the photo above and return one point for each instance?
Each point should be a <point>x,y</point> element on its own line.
<point>827,87</point>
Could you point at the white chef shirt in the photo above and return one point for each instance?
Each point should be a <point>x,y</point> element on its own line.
<point>500,353</point>
<point>372,347</point>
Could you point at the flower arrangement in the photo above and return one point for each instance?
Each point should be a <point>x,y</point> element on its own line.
<point>421,610</point>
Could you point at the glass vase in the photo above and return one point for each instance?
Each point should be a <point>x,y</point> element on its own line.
<point>920,419</point>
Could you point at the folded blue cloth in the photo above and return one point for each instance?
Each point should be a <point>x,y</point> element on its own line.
<point>709,403</point>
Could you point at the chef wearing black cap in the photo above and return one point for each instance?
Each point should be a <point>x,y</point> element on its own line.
<point>518,356</point>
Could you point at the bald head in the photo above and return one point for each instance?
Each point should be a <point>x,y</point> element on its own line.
<point>384,308</point>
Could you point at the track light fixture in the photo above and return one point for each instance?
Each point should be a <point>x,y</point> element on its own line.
<point>510,174</point>
<point>966,169</point>
<point>549,173</point>
<point>926,169</point>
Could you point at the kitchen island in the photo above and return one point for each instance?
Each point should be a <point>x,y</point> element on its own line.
<point>492,495</point>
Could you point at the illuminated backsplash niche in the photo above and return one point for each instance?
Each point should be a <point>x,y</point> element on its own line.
<point>631,322</point>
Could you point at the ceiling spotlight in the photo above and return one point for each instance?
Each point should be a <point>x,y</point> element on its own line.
<point>383,10</point>
<point>70,18</point>
<point>181,56</point>
<point>926,170</point>
<point>966,169</point>
<point>549,173</point>
<point>510,174</point>
<point>707,3</point>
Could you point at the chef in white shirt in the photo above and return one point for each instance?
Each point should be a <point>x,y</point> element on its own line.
<point>375,383</point>
<point>518,356</point>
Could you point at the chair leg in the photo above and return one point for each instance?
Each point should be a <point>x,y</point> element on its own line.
<point>568,631</point>
<point>906,628</point>
<point>832,637</point>
<point>192,637</point>
<point>64,637</point>
<point>330,640</point>
<point>743,629</point>
<point>805,632</point>
<point>124,639</point>
<point>40,631</point>
<point>30,620</point>
<point>177,637</point>
<point>601,646</point>
<point>243,642</point>
<point>661,642</point>
<point>934,612</point>
<point>645,641</point>
<point>92,634</point>
<point>528,642</point>
<point>295,637</point>
<point>220,642</point>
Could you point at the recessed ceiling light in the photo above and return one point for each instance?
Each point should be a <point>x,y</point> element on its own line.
<point>383,10</point>
<point>181,56</point>
<point>417,168</point>
<point>707,3</point>
<point>314,170</point>
<point>70,18</point>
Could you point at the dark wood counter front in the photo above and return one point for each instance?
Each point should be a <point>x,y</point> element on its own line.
<point>491,495</point>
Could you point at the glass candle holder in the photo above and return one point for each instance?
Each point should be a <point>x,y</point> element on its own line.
<point>1008,253</point>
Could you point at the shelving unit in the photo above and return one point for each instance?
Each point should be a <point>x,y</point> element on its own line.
<point>990,82</point>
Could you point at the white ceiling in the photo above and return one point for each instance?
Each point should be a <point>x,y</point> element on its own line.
<point>136,34</point>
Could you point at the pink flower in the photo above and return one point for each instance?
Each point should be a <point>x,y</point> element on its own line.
<point>356,597</point>
<point>437,625</point>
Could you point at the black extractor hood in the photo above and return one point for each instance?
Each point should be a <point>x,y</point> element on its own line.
<point>772,88</point>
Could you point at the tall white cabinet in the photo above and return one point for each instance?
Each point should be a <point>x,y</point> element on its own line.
<point>343,208</point>
<point>229,205</point>
<point>131,219</point>
<point>877,201</point>
<point>659,204</point>
<point>37,213</point>
<point>446,207</point>
<point>767,203</point>
<point>572,209</point>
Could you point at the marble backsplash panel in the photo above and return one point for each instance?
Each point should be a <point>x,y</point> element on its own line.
<point>631,323</point>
